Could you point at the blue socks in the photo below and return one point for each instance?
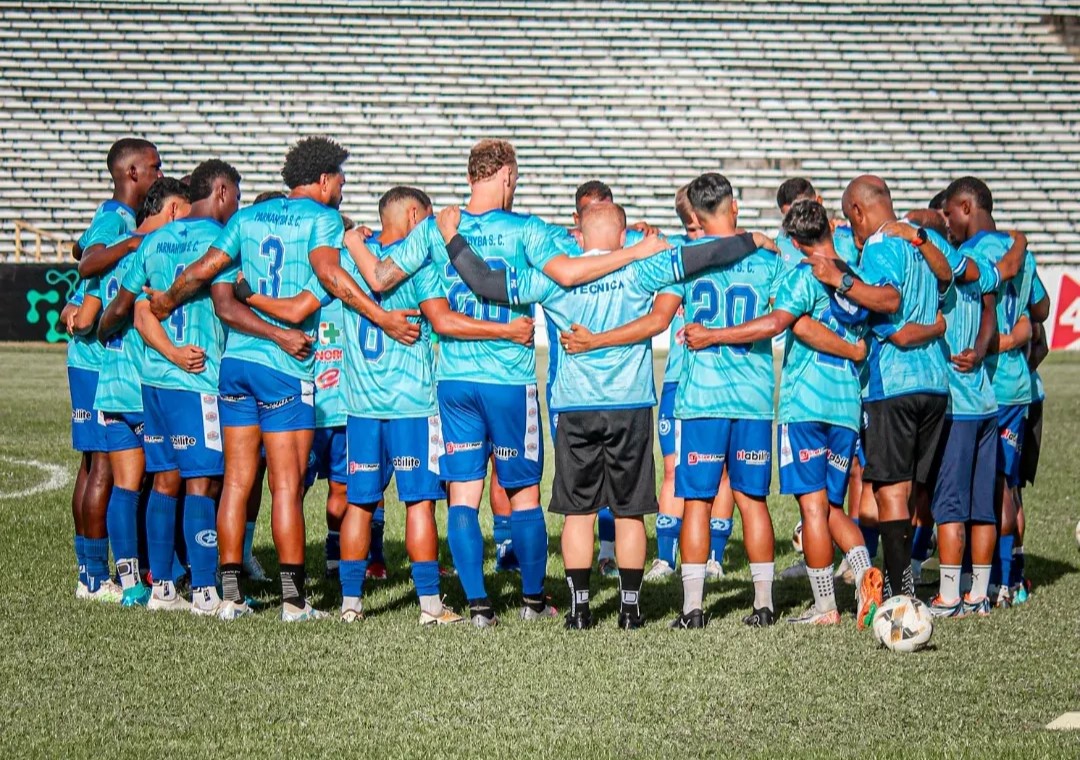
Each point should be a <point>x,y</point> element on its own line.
<point>1001,570</point>
<point>920,545</point>
<point>352,573</point>
<point>605,524</point>
<point>1017,575</point>
<point>378,523</point>
<point>467,549</point>
<point>120,519</point>
<point>161,535</point>
<point>719,533</point>
<point>529,534</point>
<point>80,558</point>
<point>200,532</point>
<point>425,576</point>
<point>501,530</point>
<point>96,551</point>
<point>667,537</point>
<point>249,538</point>
<point>870,536</point>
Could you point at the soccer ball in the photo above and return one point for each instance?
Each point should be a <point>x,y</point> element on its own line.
<point>796,537</point>
<point>903,624</point>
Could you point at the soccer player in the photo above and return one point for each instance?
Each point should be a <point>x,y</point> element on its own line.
<point>266,392</point>
<point>969,209</point>
<point>119,394</point>
<point>907,391</point>
<point>819,416</point>
<point>800,189</point>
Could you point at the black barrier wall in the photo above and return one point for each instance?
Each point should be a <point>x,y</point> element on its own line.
<point>33,295</point>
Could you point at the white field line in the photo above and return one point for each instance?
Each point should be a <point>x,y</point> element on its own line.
<point>1069,721</point>
<point>55,477</point>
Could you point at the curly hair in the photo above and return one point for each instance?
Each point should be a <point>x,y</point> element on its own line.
<point>201,181</point>
<point>807,222</point>
<point>161,191</point>
<point>488,156</point>
<point>311,158</point>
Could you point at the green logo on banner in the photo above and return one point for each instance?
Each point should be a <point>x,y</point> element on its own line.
<point>66,282</point>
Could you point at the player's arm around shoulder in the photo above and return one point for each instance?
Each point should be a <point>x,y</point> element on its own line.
<point>293,310</point>
<point>579,339</point>
<point>189,358</point>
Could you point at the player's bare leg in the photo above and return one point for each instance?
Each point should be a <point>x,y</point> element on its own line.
<point>242,462</point>
<point>253,570</point>
<point>286,462</point>
<point>818,549</point>
<point>577,552</point>
<point>760,550</point>
<point>720,527</point>
<point>337,503</point>
<point>355,545</point>
<point>694,546</point>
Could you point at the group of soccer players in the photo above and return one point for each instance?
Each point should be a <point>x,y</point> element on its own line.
<point>215,346</point>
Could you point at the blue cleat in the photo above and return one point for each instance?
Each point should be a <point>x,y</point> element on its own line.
<point>136,596</point>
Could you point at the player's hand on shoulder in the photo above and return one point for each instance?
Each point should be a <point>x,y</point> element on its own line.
<point>644,227</point>
<point>761,240</point>
<point>448,220</point>
<point>522,330</point>
<point>356,236</point>
<point>902,230</point>
<point>396,324</point>
<point>191,359</point>
<point>1018,237</point>
<point>697,337</point>
<point>650,245</point>
<point>825,270</point>
<point>295,343</point>
<point>577,340</point>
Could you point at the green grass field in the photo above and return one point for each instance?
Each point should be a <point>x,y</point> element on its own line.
<point>81,679</point>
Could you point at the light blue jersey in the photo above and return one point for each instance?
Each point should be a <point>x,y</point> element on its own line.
<point>271,242</point>
<point>673,370</point>
<point>1008,372</point>
<point>161,258</point>
<point>895,371</point>
<point>619,377</point>
<point>84,351</point>
<point>119,386</point>
<point>385,379</point>
<point>1038,293</point>
<point>816,387</point>
<point>970,394</point>
<point>730,382</point>
<point>843,243</point>
<point>330,365</point>
<point>505,240</point>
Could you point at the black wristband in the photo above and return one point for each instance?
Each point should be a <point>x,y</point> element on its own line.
<point>242,290</point>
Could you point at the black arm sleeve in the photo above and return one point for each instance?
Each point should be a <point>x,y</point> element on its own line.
<point>716,253</point>
<point>481,277</point>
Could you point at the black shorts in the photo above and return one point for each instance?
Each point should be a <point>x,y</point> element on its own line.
<point>604,458</point>
<point>901,436</point>
<point>1029,453</point>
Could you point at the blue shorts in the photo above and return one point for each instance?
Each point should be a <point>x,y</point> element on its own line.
<point>704,446</point>
<point>253,394</point>
<point>859,453</point>
<point>123,430</point>
<point>964,472</point>
<point>329,459</point>
<point>408,448</point>
<point>816,456</point>
<point>1010,422</point>
<point>87,425</point>
<point>182,432</point>
<point>479,419</point>
<point>665,419</point>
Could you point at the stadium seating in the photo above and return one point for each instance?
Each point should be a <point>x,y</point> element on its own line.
<point>642,94</point>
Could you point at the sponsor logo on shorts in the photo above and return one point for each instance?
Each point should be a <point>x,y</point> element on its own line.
<point>1009,437</point>
<point>210,417</point>
<point>406,463</point>
<point>532,428</point>
<point>695,457</point>
<point>207,538</point>
<point>355,467</point>
<point>452,448</point>
<point>212,435</point>
<point>80,415</point>
<point>138,429</point>
<point>532,411</point>
<point>758,457</point>
<point>152,439</point>
<point>530,447</point>
<point>277,404</point>
<point>805,455</point>
<point>328,378</point>
<point>841,463</point>
<point>232,399</point>
<point>182,441</point>
<point>665,426</point>
<point>208,399</point>
<point>504,452</point>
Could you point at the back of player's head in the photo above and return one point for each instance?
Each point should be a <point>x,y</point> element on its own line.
<point>973,188</point>
<point>794,189</point>
<point>602,218</point>
<point>488,156</point>
<point>683,207</point>
<point>269,195</point>
<point>201,181</point>
<point>123,149</point>
<point>593,190</point>
<point>807,222</point>
<point>160,192</point>
<point>937,203</point>
<point>311,158</point>
<point>400,194</point>
<point>709,193</point>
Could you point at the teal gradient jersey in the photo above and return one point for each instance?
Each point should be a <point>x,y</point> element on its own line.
<point>891,370</point>
<point>84,351</point>
<point>119,380</point>
<point>673,370</point>
<point>505,240</point>
<point>1009,373</point>
<point>161,258</point>
<point>270,243</point>
<point>816,387</point>
<point>385,379</point>
<point>619,377</point>
<point>731,382</point>
<point>843,243</point>
<point>1038,293</point>
<point>329,352</point>
<point>970,394</point>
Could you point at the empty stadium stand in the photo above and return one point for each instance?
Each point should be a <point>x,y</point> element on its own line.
<point>642,94</point>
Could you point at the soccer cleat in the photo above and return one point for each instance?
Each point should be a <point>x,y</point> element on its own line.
<point>713,570</point>
<point>761,617</point>
<point>82,591</point>
<point>349,614</point>
<point>845,573</point>
<point>813,617</point>
<point>302,616</point>
<point>980,607</point>
<point>253,569</point>
<point>484,619</point>
<point>136,596</point>
<point>446,617</point>
<point>692,619</point>
<point>205,602</point>
<point>628,622</point>
<point>1003,599</point>
<point>529,615</point>
<point>869,597</point>
<point>232,610</point>
<point>175,603</point>
<point>608,567</point>
<point>107,591</point>
<point>580,622</point>
<point>659,570</point>
<point>376,571</point>
<point>1020,593</point>
<point>940,608</point>
<point>798,570</point>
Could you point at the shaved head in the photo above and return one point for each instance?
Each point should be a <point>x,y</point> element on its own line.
<point>603,225</point>
<point>867,204</point>
<point>867,190</point>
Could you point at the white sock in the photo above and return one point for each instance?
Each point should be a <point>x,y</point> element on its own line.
<point>607,550</point>
<point>693,585</point>
<point>980,582</point>
<point>762,575</point>
<point>821,583</point>
<point>128,570</point>
<point>351,603</point>
<point>949,583</point>
<point>205,598</point>
<point>859,561</point>
<point>431,604</point>
<point>164,589</point>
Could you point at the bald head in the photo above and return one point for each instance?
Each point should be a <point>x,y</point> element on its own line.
<point>867,204</point>
<point>603,226</point>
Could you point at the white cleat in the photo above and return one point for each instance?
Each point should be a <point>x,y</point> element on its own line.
<point>174,603</point>
<point>205,602</point>
<point>232,610</point>
<point>445,616</point>
<point>253,570</point>
<point>348,614</point>
<point>659,570</point>
<point>301,616</point>
<point>845,573</point>
<point>529,615</point>
<point>82,591</point>
<point>713,570</point>
<point>108,591</point>
<point>798,570</point>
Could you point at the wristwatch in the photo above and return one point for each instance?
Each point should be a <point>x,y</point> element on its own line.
<point>920,237</point>
<point>846,283</point>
